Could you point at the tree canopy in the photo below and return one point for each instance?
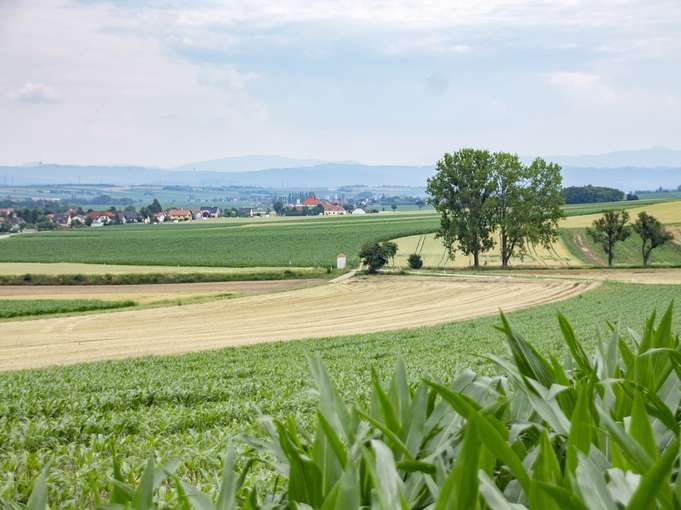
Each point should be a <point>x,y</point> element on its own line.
<point>479,194</point>
<point>376,255</point>
<point>653,234</point>
<point>591,194</point>
<point>609,229</point>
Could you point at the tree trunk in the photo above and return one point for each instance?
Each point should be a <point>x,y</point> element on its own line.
<point>476,260</point>
<point>610,258</point>
<point>504,255</point>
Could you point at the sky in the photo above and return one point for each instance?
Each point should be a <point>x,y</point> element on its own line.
<point>163,83</point>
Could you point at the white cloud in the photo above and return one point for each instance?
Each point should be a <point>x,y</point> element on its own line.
<point>161,82</point>
<point>574,80</point>
<point>35,93</point>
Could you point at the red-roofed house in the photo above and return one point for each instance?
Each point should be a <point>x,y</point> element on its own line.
<point>331,209</point>
<point>311,202</point>
<point>101,217</point>
<point>180,214</point>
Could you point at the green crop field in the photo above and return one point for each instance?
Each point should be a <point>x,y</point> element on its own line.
<point>247,243</point>
<point>583,209</point>
<point>22,307</point>
<point>276,242</point>
<point>189,406</point>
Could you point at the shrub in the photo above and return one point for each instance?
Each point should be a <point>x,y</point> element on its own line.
<point>415,261</point>
<point>376,255</point>
<point>597,431</point>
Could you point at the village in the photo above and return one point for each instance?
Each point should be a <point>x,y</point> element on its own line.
<point>14,220</point>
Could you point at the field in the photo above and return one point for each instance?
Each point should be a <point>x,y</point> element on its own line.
<point>189,406</point>
<point>63,268</point>
<point>627,252</point>
<point>281,243</point>
<point>256,243</point>
<point>434,255</point>
<point>152,293</point>
<point>573,248</point>
<point>350,307</point>
<point>668,212</point>
<point>10,308</point>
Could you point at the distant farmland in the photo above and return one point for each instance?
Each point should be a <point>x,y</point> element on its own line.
<point>249,243</point>
<point>276,242</point>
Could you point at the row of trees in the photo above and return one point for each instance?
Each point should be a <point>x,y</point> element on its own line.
<point>484,198</point>
<point>613,227</point>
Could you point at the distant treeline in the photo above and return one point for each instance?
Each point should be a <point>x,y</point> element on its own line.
<point>591,194</point>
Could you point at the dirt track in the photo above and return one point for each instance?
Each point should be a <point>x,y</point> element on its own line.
<point>351,307</point>
<point>149,293</point>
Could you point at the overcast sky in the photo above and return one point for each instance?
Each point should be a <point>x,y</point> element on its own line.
<point>164,83</point>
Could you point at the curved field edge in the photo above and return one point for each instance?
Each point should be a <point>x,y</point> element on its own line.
<point>189,406</point>
<point>358,306</point>
<point>10,308</point>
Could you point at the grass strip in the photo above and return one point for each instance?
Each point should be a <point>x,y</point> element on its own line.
<point>150,278</point>
<point>10,308</point>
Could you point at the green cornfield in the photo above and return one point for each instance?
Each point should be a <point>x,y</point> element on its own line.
<point>181,412</point>
<point>281,243</point>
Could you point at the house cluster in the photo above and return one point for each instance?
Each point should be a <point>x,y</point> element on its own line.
<point>178,215</point>
<point>10,221</point>
<point>325,207</point>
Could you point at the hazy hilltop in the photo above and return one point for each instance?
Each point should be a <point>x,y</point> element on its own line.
<point>647,158</point>
<point>249,163</point>
<point>626,170</point>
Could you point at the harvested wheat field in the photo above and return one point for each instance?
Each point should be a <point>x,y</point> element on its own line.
<point>666,212</point>
<point>670,276</point>
<point>354,306</point>
<point>149,293</point>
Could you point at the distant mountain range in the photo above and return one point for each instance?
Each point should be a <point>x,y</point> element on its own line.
<point>647,158</point>
<point>662,168</point>
<point>252,163</point>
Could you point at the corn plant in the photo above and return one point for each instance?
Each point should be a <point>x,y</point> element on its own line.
<point>594,432</point>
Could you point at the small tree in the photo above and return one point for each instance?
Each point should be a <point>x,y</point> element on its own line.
<point>375,255</point>
<point>653,234</point>
<point>609,229</point>
<point>415,261</point>
<point>155,207</point>
<point>393,206</point>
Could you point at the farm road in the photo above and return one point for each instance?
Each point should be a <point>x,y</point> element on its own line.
<point>360,305</point>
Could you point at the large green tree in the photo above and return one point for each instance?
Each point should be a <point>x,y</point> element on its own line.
<point>479,193</point>
<point>609,229</point>
<point>528,203</point>
<point>462,191</point>
<point>653,234</point>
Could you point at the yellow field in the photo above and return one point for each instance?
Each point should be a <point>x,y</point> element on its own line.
<point>651,276</point>
<point>666,212</point>
<point>435,255</point>
<point>359,305</point>
<point>15,268</point>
